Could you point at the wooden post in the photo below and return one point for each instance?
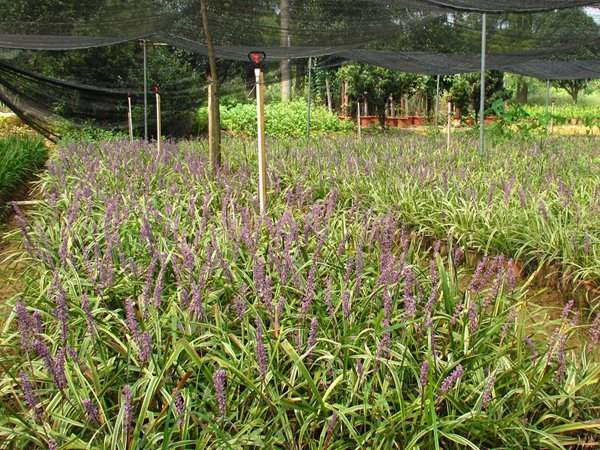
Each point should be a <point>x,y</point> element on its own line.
<point>262,153</point>
<point>345,100</point>
<point>214,117</point>
<point>358,119</point>
<point>130,118</point>
<point>449,121</point>
<point>158,125</point>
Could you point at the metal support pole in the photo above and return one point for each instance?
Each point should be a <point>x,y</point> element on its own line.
<point>130,118</point>
<point>482,95</point>
<point>262,152</point>
<point>547,95</point>
<point>437,101</point>
<point>145,92</point>
<point>309,96</point>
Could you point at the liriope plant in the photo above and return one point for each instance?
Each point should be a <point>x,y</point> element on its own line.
<point>162,311</point>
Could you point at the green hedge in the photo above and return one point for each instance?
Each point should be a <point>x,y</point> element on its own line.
<point>282,119</point>
<point>20,158</point>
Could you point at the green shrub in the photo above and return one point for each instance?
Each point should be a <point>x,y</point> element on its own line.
<point>282,119</point>
<point>20,158</point>
<point>73,134</point>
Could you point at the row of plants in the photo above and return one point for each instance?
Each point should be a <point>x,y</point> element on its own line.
<point>20,158</point>
<point>588,116</point>
<point>282,119</point>
<point>162,311</point>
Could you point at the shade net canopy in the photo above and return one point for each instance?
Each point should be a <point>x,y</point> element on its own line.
<point>78,59</point>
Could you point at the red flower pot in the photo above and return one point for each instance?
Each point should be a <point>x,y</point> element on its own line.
<point>418,121</point>
<point>404,122</point>
<point>391,122</point>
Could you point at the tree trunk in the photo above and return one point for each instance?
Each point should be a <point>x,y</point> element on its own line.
<point>214,119</point>
<point>328,94</point>
<point>286,76</point>
<point>522,91</point>
<point>344,100</point>
<point>574,93</point>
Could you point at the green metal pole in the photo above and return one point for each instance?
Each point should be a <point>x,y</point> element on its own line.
<point>309,96</point>
<point>145,92</point>
<point>437,102</point>
<point>482,95</point>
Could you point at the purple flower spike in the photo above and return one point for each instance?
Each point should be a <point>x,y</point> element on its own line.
<point>131,320</point>
<point>30,398</point>
<point>128,408</point>
<point>59,368</point>
<point>91,411</point>
<point>261,351</point>
<point>451,380</point>
<point>346,304</point>
<point>312,337</point>
<point>567,310</point>
<point>145,344</point>
<point>219,381</point>
<point>23,325</point>
<point>487,393</point>
<point>89,318</point>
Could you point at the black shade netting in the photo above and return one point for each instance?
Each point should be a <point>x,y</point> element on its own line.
<point>77,60</point>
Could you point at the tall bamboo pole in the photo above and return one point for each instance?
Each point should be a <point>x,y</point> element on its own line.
<point>262,152</point>
<point>214,119</point>
<point>158,118</point>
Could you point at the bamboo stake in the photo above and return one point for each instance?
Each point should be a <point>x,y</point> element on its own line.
<point>158,124</point>
<point>130,118</point>
<point>262,152</point>
<point>358,119</point>
<point>449,121</point>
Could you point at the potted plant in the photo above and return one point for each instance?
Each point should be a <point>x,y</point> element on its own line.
<point>404,122</point>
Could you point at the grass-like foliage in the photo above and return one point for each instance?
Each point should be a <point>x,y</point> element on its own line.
<point>20,158</point>
<point>161,311</point>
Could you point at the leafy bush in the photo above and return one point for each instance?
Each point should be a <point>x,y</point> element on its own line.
<point>282,119</point>
<point>20,158</point>
<point>162,310</point>
<point>75,134</point>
